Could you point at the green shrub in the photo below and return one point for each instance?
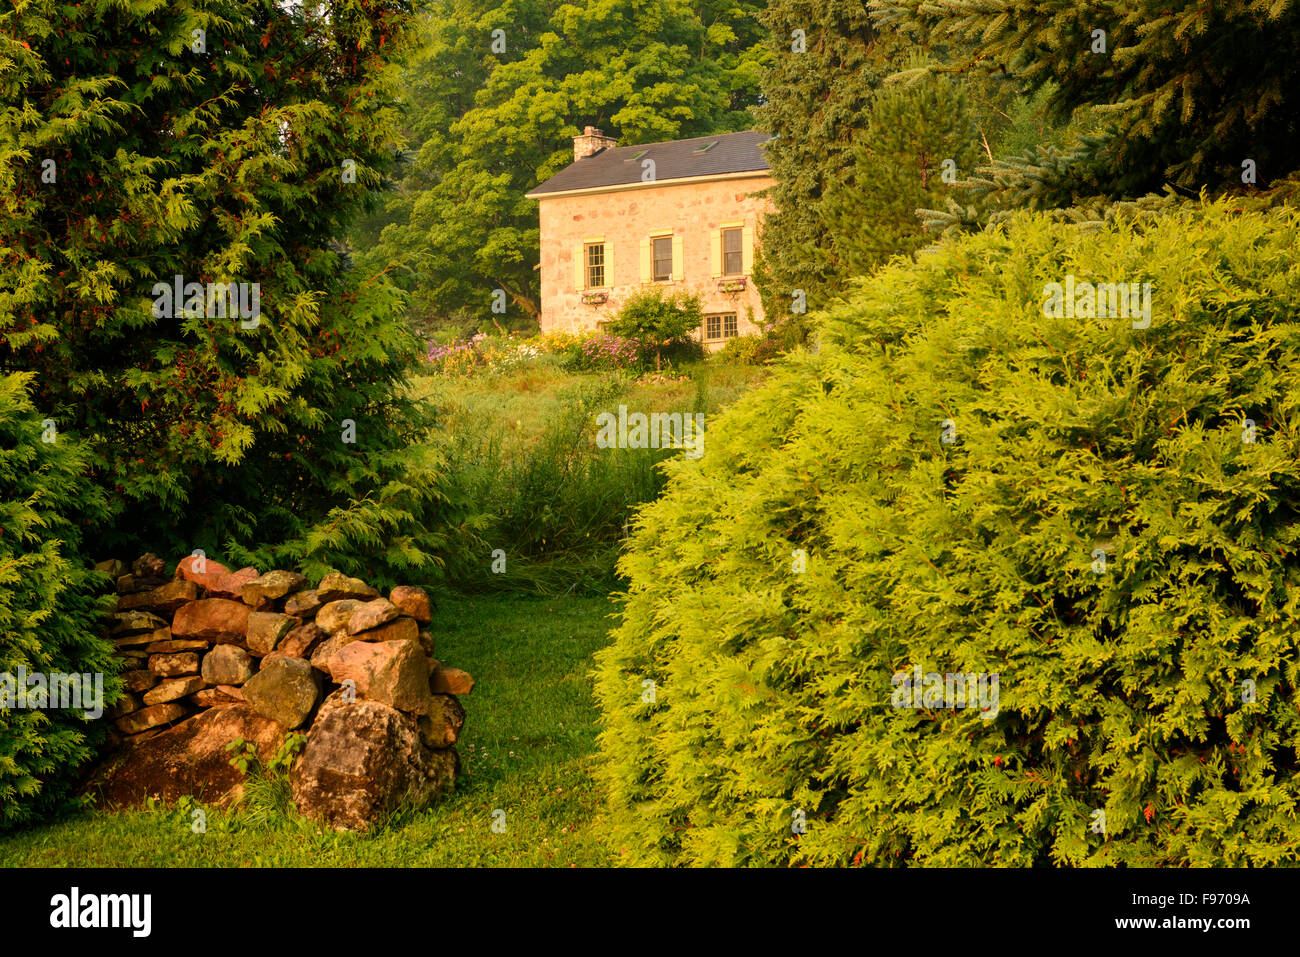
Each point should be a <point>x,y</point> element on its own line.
<point>1124,688</point>
<point>50,610</point>
<point>658,322</point>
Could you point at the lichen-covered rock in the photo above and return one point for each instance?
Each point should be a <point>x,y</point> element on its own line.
<point>274,584</point>
<point>441,726</point>
<point>125,623</point>
<point>227,665</point>
<point>335,587</point>
<point>335,615</point>
<point>285,691</point>
<point>232,585</point>
<point>363,758</point>
<point>266,628</point>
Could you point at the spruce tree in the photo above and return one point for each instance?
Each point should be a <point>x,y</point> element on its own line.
<point>920,138</point>
<point>214,142</point>
<point>1193,97</point>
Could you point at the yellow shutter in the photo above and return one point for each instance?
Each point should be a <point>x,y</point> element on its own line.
<point>647,265</point>
<point>747,250</point>
<point>579,277</point>
<point>678,265</point>
<point>609,264</point>
<point>715,244</point>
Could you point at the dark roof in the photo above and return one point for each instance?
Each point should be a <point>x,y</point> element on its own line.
<point>676,159</point>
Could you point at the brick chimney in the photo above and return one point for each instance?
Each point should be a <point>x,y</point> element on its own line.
<point>591,142</point>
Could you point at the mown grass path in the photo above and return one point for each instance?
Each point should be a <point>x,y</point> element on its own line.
<point>528,749</point>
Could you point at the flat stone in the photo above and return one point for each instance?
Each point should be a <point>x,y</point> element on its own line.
<point>174,665</point>
<point>394,672</point>
<point>335,615</point>
<point>157,636</point>
<point>371,614</point>
<point>232,585</point>
<point>130,584</point>
<point>218,697</point>
<point>412,601</point>
<point>148,718</point>
<point>303,604</point>
<point>266,628</point>
<point>215,619</point>
<point>164,599</point>
<point>125,623</point>
<point>173,689</point>
<point>336,586</point>
<point>285,691</point>
<point>446,680</point>
<point>274,584</point>
<point>176,644</point>
<point>399,629</point>
<point>227,665</point>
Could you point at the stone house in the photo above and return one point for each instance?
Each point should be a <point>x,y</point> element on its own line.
<point>680,216</point>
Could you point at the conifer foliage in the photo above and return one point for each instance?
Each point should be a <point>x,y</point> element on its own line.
<point>51,606</point>
<point>147,146</point>
<point>970,478</point>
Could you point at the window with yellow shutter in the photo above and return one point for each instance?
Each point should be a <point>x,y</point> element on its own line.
<point>663,258</point>
<point>595,261</point>
<point>733,252</point>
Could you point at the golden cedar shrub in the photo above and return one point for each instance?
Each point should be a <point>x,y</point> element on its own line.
<point>1156,686</point>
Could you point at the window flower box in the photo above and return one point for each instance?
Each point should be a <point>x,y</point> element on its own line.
<point>733,285</point>
<point>594,298</point>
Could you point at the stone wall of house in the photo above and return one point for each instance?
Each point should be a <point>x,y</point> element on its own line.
<point>625,216</point>
<point>212,655</point>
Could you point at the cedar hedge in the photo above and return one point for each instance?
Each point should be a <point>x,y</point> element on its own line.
<point>1125,682</point>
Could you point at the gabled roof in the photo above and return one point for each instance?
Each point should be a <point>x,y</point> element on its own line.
<point>725,153</point>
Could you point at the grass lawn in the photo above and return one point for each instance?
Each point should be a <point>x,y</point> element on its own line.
<point>528,748</point>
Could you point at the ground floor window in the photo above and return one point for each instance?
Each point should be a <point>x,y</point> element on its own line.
<point>721,325</point>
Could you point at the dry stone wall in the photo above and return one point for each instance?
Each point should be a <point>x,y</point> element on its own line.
<point>212,655</point>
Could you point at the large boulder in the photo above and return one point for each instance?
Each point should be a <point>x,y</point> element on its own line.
<point>286,691</point>
<point>394,672</point>
<point>190,758</point>
<point>363,758</point>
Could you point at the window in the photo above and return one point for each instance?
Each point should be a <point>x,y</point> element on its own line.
<point>719,326</point>
<point>595,265</point>
<point>733,257</point>
<point>663,258</point>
